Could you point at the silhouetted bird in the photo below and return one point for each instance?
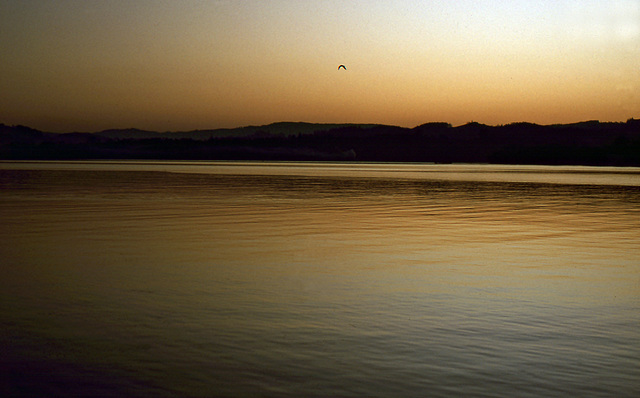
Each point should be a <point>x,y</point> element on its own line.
<point>343,67</point>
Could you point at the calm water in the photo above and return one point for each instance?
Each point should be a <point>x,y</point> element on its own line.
<point>293,279</point>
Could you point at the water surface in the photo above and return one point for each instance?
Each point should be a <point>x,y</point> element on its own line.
<point>312,279</point>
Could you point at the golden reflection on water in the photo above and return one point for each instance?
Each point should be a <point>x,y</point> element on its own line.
<point>583,175</point>
<point>334,279</point>
<point>514,231</point>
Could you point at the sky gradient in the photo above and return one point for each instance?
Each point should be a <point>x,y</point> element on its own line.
<point>86,65</point>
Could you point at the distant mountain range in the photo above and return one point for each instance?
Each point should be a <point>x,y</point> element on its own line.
<point>280,129</point>
<point>584,143</point>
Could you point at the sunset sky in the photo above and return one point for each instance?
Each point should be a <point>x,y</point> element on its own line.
<point>88,65</point>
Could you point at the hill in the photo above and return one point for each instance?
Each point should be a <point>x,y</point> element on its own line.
<point>584,143</point>
<point>274,129</point>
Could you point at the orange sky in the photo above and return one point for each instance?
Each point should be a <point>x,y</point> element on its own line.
<point>89,65</point>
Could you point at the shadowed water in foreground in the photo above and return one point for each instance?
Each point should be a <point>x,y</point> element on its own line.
<point>298,279</point>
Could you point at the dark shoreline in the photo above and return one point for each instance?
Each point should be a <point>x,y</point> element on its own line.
<point>585,143</point>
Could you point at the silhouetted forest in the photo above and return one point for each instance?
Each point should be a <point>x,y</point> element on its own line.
<point>584,143</point>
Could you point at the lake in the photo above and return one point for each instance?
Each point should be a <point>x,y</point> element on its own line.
<point>232,279</point>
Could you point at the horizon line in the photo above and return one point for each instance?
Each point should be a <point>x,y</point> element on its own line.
<point>319,123</point>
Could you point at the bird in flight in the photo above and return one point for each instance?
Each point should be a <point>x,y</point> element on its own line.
<point>343,67</point>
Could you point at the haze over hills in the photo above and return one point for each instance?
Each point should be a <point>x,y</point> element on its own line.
<point>583,143</point>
